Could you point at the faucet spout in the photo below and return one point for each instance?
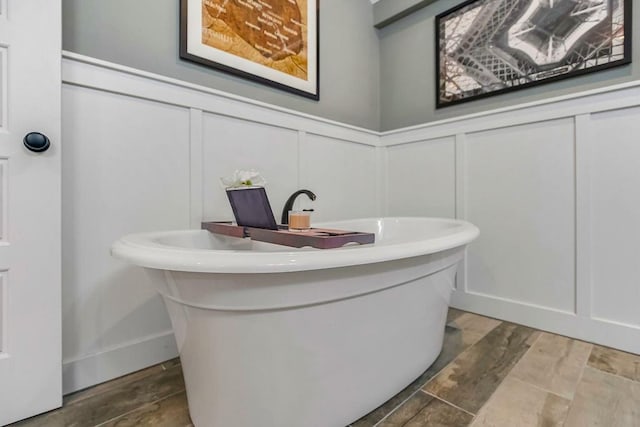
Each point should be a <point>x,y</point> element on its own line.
<point>289,204</point>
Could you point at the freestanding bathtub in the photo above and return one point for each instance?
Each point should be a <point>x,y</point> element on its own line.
<point>275,336</point>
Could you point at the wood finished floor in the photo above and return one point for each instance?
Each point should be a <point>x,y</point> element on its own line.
<point>490,373</point>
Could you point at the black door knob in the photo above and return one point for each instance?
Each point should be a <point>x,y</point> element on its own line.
<point>36,142</point>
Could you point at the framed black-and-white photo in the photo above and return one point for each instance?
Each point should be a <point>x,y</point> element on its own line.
<point>487,47</point>
<point>274,42</point>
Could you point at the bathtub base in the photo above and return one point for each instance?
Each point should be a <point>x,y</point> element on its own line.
<point>325,357</point>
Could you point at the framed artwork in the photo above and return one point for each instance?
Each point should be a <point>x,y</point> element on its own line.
<point>487,47</point>
<point>274,42</point>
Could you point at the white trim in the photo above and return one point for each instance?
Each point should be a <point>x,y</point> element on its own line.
<point>607,99</point>
<point>3,315</point>
<point>561,100</point>
<point>80,70</point>
<point>196,168</point>
<point>612,334</point>
<point>301,156</point>
<point>583,164</point>
<point>117,361</point>
<point>461,174</point>
<point>382,181</point>
<point>4,200</point>
<point>4,87</point>
<point>460,164</point>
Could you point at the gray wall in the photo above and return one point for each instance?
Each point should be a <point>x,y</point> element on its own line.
<point>144,34</point>
<point>407,74</point>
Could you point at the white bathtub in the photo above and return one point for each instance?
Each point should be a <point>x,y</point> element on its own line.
<point>283,337</point>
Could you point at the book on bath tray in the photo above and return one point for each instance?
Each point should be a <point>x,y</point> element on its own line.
<point>254,219</point>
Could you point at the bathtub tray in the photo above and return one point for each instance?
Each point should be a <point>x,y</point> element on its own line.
<point>320,238</point>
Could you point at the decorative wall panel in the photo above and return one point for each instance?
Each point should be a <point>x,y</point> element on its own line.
<point>3,86</point>
<point>230,144</point>
<point>520,193</point>
<point>615,229</point>
<point>421,179</point>
<point>145,152</point>
<point>551,185</point>
<point>136,141</point>
<point>4,202</point>
<point>342,175</point>
<point>126,170</point>
<point>3,312</point>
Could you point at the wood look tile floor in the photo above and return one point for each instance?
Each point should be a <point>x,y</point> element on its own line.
<point>489,373</point>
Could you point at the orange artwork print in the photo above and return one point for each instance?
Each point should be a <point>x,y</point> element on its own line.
<point>267,32</point>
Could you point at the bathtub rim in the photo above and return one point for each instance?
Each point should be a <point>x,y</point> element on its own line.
<point>141,249</point>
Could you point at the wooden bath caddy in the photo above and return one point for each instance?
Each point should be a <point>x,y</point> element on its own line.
<point>320,238</point>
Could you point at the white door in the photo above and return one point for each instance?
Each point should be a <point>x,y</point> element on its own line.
<point>30,324</point>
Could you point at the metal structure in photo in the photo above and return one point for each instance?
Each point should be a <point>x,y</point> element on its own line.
<point>487,47</point>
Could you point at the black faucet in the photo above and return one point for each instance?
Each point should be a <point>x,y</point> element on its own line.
<point>289,204</point>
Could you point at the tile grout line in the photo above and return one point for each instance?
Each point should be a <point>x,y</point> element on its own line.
<point>527,352</point>
<point>611,374</point>
<point>488,401</point>
<point>122,381</point>
<point>449,403</point>
<point>89,395</point>
<point>584,367</point>
<point>509,374</point>
<point>535,341</point>
<point>546,390</point>
<point>593,347</point>
<point>139,407</point>
<point>570,399</point>
<point>492,396</point>
<point>462,352</point>
<point>396,407</point>
<point>501,382</point>
<point>437,373</point>
<point>421,388</point>
<point>537,387</point>
<point>513,377</point>
<point>414,415</point>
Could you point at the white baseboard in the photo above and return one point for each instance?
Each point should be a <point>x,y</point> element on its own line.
<point>599,331</point>
<point>116,362</point>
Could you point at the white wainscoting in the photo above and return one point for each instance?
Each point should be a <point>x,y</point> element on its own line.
<point>615,211</point>
<point>144,152</point>
<point>121,173</point>
<point>552,185</point>
<point>421,178</point>
<point>349,194</point>
<point>555,189</point>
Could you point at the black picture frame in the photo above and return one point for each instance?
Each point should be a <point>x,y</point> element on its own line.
<point>247,32</point>
<point>483,50</point>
